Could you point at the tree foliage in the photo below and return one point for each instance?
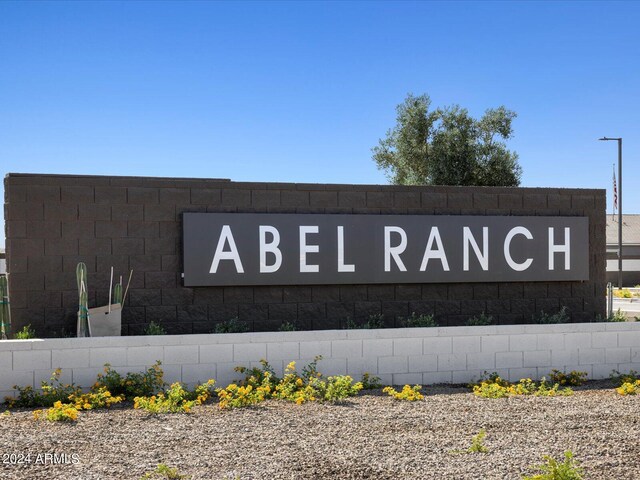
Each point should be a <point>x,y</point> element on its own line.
<point>447,146</point>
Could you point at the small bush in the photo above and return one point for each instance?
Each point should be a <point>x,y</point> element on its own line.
<point>51,392</point>
<point>59,412</point>
<point>234,396</point>
<point>561,316</point>
<point>370,383</point>
<point>617,316</point>
<point>373,321</point>
<point>554,470</point>
<point>619,378</point>
<point>288,327</point>
<point>164,472</point>
<point>622,293</point>
<point>477,443</point>
<point>232,325</point>
<point>629,388</point>
<point>336,388</point>
<point>499,388</point>
<point>408,393</point>
<point>176,399</point>
<point>25,334</point>
<point>100,398</point>
<point>154,329</point>
<point>132,385</point>
<point>480,320</point>
<point>574,378</point>
<point>420,321</point>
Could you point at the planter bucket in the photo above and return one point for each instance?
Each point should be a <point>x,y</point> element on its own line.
<point>105,321</point>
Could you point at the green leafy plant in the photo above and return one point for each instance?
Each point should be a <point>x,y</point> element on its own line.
<point>629,388</point>
<point>288,327</point>
<point>561,316</point>
<point>232,325</point>
<point>420,321</point>
<point>480,320</point>
<point>50,393</point>
<point>574,378</point>
<point>155,329</point>
<point>25,334</point>
<point>370,383</point>
<point>132,385</point>
<point>176,399</point>
<point>373,321</point>
<point>408,393</point>
<point>617,316</point>
<point>477,443</point>
<point>164,472</point>
<point>552,469</point>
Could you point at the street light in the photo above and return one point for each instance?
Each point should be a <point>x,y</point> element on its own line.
<point>619,140</point>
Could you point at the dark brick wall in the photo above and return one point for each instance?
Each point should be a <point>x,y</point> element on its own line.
<point>55,221</point>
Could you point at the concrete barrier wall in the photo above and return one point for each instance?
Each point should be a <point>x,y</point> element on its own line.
<point>397,356</point>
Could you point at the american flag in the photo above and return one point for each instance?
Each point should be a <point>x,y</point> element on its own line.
<point>615,191</point>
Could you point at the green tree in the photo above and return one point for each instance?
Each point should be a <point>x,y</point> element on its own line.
<point>447,146</point>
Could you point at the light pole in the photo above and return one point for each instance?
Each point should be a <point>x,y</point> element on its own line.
<point>619,140</point>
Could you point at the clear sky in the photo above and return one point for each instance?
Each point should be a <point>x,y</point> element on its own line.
<point>300,92</point>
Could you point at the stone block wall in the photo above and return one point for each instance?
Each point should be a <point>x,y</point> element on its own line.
<point>55,221</point>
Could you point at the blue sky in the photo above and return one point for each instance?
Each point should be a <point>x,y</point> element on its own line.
<point>300,92</point>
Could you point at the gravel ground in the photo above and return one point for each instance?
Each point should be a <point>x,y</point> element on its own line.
<point>370,436</point>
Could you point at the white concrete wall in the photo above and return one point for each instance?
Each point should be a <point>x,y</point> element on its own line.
<point>397,356</point>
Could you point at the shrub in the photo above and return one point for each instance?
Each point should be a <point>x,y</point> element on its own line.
<point>176,399</point>
<point>553,470</point>
<point>336,388</point>
<point>574,378</point>
<point>59,412</point>
<point>620,378</point>
<point>132,385</point>
<point>629,388</point>
<point>373,321</point>
<point>480,320</point>
<point>287,327</point>
<point>52,392</point>
<point>561,316</point>
<point>499,388</point>
<point>408,393</point>
<point>622,293</point>
<point>235,396</point>
<point>617,316</point>
<point>233,325</point>
<point>25,334</point>
<point>296,388</point>
<point>477,443</point>
<point>154,329</point>
<point>164,471</point>
<point>370,383</point>
<point>100,398</point>
<point>420,321</point>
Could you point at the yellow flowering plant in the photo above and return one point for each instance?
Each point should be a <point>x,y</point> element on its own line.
<point>59,412</point>
<point>176,399</point>
<point>99,398</point>
<point>132,385</point>
<point>500,388</point>
<point>408,393</point>
<point>629,388</point>
<point>574,378</point>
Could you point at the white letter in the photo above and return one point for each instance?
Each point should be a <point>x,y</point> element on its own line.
<point>269,248</point>
<point>341,265</point>
<point>394,252</point>
<point>226,235</point>
<point>518,267</point>
<point>304,249</point>
<point>468,239</point>
<point>438,253</point>
<point>563,248</point>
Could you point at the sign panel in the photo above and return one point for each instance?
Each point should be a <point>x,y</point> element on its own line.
<point>226,249</point>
